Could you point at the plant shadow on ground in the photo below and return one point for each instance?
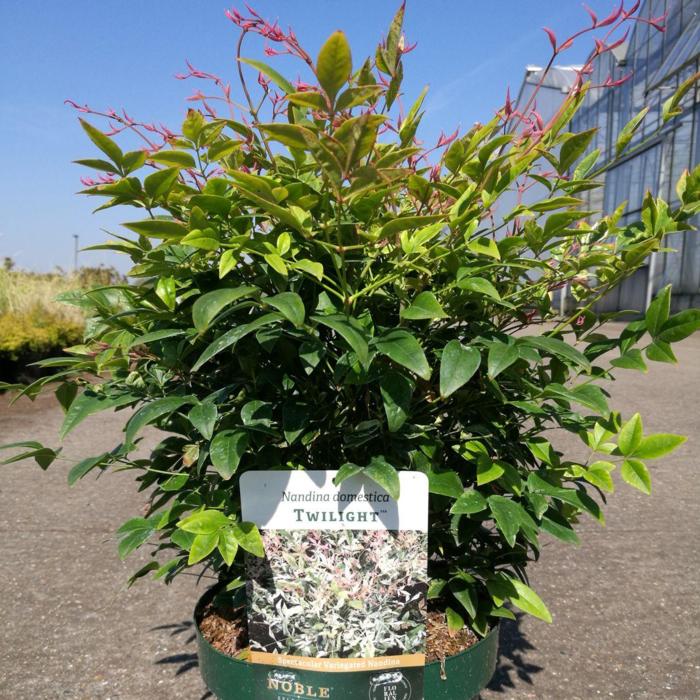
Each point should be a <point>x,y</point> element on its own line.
<point>512,662</point>
<point>188,659</point>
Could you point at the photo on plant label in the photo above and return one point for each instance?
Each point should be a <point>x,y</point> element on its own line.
<point>339,594</point>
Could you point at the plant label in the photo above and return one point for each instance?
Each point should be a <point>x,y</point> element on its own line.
<point>337,607</point>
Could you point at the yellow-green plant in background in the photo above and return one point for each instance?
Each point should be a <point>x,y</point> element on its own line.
<point>32,321</point>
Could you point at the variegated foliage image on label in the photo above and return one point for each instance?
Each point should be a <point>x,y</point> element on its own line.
<point>339,593</point>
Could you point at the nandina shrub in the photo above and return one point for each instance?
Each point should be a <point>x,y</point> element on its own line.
<point>312,288</point>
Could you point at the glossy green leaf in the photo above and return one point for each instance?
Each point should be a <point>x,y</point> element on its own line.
<point>501,356</point>
<point>396,391</point>
<point>425,306</point>
<point>103,142</point>
<point>469,502</point>
<point>658,312</point>
<point>631,435</point>
<point>151,412</point>
<point>382,473</point>
<point>290,305</point>
<point>635,473</point>
<point>628,131</point>
<point>404,349</point>
<point>248,537</point>
<point>210,305</point>
<point>84,467</point>
<point>202,547</point>
<point>277,78</point>
<point>657,445</point>
<point>203,417</point>
<point>457,366</point>
<point>349,331</point>
<point>334,64</point>
<point>226,450</point>
<point>204,522</point>
<point>445,483</point>
<point>679,326</point>
<point>233,336</point>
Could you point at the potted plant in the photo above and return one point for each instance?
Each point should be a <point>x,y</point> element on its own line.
<point>314,289</point>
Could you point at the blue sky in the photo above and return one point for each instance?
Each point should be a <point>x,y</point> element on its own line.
<point>126,54</point>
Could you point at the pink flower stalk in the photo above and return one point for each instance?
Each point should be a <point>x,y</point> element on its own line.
<point>446,140</point>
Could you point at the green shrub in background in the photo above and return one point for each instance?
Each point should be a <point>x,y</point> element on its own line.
<point>33,322</point>
<point>310,291</point>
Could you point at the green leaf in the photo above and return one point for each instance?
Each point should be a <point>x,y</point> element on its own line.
<point>208,306</point>
<point>157,228</point>
<point>295,419</point>
<point>598,474</point>
<point>469,502</point>
<point>680,326</point>
<point>277,263</point>
<point>586,165</point>
<point>396,391</point>
<point>204,522</point>
<point>425,306</point>
<point>658,311</point>
<point>632,359</point>
<point>573,148</point>
<point>457,366</point>
<point>291,135</point>
<point>445,484</point>
<point>488,470</point>
<point>179,159</point>
<point>309,99</point>
<point>628,131</point>
<point>635,473</point>
<point>334,64</point>
<point>631,435</point>
<point>657,445</point>
<point>226,450</point>
<point>557,526</point>
<point>203,417</point>
<point>248,537</point>
<point>271,73</point>
<point>557,348</point>
<point>103,142</point>
<point>659,351</point>
<point>501,356</point>
<point>315,269</point>
<point>575,497</point>
<point>290,305</point>
<point>351,333</point>
<point>166,291</point>
<point>354,96</point>
<point>228,546</point>
<point>160,182</point>
<point>202,546</point>
<point>404,223</point>
<point>382,473</point>
<point>346,471</point>
<point>528,601</point>
<point>508,516</point>
<point>455,622</point>
<point>151,412</point>
<point>89,403</point>
<point>83,467</point>
<point>233,336</point>
<point>403,348</point>
<point>479,285</point>
<point>465,595</point>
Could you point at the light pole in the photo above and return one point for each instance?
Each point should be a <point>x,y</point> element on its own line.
<point>75,252</point>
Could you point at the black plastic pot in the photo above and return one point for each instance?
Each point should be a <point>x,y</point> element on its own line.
<point>462,677</point>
